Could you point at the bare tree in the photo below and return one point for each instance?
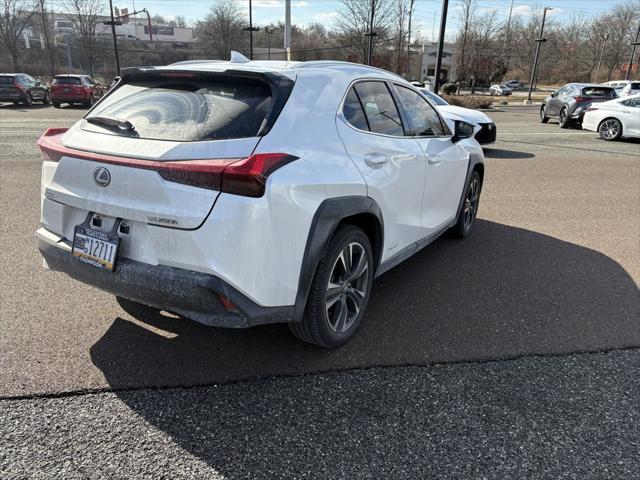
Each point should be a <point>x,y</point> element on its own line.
<point>466,19</point>
<point>16,17</point>
<point>353,23</point>
<point>622,22</point>
<point>85,17</point>
<point>221,30</point>
<point>47,30</point>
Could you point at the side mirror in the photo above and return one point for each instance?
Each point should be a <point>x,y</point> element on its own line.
<point>554,94</point>
<point>462,130</point>
<point>38,83</point>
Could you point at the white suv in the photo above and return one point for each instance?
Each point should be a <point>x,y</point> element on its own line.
<point>243,193</point>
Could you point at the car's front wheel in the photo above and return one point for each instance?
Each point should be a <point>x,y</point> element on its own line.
<point>543,114</point>
<point>46,100</point>
<point>340,290</point>
<point>28,100</point>
<point>469,210</point>
<point>610,129</point>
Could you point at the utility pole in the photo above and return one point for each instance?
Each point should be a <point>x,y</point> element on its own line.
<point>507,40</point>
<point>409,39</point>
<point>113,24</point>
<point>633,54</point>
<point>250,29</point>
<point>371,33</point>
<point>47,40</point>
<point>269,32</point>
<point>535,60</point>
<point>604,43</point>
<point>287,28</point>
<point>443,26</point>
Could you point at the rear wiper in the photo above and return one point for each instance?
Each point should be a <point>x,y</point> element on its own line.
<point>117,124</point>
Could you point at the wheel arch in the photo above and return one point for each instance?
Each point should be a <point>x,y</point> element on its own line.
<point>360,211</point>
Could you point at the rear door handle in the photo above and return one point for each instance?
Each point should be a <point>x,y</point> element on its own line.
<point>433,159</point>
<point>376,159</point>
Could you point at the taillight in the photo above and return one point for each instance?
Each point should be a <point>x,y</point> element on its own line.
<point>582,99</point>
<point>19,86</point>
<point>238,176</point>
<point>48,150</point>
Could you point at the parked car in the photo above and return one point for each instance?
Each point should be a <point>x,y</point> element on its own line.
<point>513,84</point>
<point>22,88</point>
<point>486,130</point>
<point>75,89</point>
<point>114,82</point>
<point>221,193</point>
<point>630,89</point>
<point>569,103</point>
<point>617,85</point>
<point>500,90</point>
<point>614,119</point>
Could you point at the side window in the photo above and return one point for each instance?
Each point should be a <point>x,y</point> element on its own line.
<point>352,111</point>
<point>423,119</point>
<point>634,102</point>
<point>562,92</point>
<point>379,108</point>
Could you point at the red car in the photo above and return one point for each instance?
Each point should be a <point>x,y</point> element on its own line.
<point>74,89</point>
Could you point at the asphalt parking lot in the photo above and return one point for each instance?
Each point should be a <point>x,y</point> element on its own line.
<point>512,354</point>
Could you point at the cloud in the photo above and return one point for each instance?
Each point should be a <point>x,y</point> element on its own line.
<point>522,10</point>
<point>278,4</point>
<point>325,17</point>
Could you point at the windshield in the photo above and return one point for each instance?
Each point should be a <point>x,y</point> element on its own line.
<point>6,80</point>
<point>66,81</point>
<point>435,99</point>
<point>190,110</point>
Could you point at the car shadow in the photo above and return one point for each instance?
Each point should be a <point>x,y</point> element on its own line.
<point>506,154</point>
<point>503,293</point>
<point>22,108</point>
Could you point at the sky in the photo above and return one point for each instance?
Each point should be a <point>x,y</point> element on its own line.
<point>426,19</point>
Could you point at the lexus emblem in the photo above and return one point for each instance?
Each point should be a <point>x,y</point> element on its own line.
<point>101,176</point>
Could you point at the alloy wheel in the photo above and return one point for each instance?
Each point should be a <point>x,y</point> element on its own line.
<point>471,202</point>
<point>609,129</point>
<point>347,287</point>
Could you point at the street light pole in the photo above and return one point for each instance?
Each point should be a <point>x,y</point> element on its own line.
<point>535,60</point>
<point>113,24</point>
<point>604,43</point>
<point>371,33</point>
<point>443,26</point>
<point>633,54</point>
<point>249,29</point>
<point>409,39</point>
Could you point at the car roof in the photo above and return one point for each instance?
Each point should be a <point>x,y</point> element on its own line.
<point>287,68</point>
<point>71,75</point>
<point>583,85</point>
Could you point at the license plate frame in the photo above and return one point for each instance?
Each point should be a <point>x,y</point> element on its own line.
<point>95,247</point>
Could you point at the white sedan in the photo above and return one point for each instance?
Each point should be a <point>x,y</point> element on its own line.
<point>614,119</point>
<point>485,127</point>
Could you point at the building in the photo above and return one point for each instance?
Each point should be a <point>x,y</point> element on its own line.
<point>429,57</point>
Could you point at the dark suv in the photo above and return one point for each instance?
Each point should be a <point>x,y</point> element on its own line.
<point>570,103</point>
<point>22,88</point>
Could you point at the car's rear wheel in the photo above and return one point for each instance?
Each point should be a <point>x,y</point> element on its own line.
<point>28,100</point>
<point>56,104</point>
<point>563,120</point>
<point>469,210</point>
<point>610,129</point>
<point>89,102</point>
<point>340,290</point>
<point>543,114</point>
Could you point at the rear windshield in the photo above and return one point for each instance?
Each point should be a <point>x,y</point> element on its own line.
<point>599,92</point>
<point>66,81</point>
<point>188,110</point>
<point>6,80</point>
<point>635,86</point>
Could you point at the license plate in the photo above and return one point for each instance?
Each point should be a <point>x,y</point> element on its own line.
<point>67,90</point>
<point>95,247</point>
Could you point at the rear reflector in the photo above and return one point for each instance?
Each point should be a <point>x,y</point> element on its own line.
<point>239,176</point>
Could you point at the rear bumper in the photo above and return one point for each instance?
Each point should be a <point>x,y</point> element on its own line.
<point>190,294</point>
<point>69,98</point>
<point>11,97</point>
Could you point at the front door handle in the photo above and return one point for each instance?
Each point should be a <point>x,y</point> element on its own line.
<point>376,159</point>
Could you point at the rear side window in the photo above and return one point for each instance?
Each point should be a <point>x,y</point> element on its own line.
<point>187,110</point>
<point>352,111</point>
<point>7,80</point>
<point>66,81</point>
<point>379,108</point>
<point>598,92</point>
<point>635,86</point>
<point>634,102</point>
<point>423,119</point>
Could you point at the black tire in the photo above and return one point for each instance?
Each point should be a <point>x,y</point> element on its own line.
<point>563,119</point>
<point>56,104</point>
<point>89,103</point>
<point>323,323</point>
<point>15,103</point>
<point>543,114</point>
<point>469,210</point>
<point>610,129</point>
<point>28,100</point>
<point>47,98</point>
